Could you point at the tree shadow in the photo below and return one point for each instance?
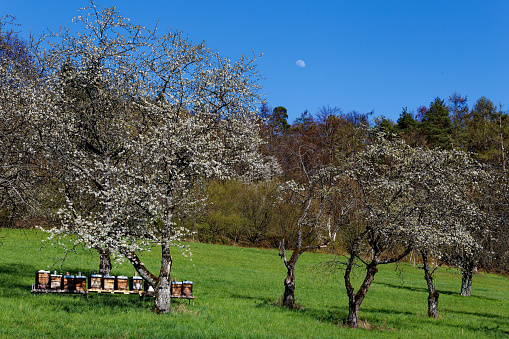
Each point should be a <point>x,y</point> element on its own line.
<point>334,315</point>
<point>425,290</point>
<point>492,331</point>
<point>479,314</point>
<point>10,284</point>
<point>264,301</point>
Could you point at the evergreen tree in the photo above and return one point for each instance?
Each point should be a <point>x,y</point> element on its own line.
<point>278,121</point>
<point>406,121</point>
<point>437,126</point>
<point>409,128</point>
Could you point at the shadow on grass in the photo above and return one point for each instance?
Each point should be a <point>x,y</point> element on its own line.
<point>10,282</point>
<point>105,303</point>
<point>264,301</point>
<point>425,290</point>
<point>491,330</point>
<point>335,316</point>
<point>479,314</point>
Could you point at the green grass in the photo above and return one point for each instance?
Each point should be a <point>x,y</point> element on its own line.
<point>235,290</point>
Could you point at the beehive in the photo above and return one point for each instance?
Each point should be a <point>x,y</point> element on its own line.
<point>81,283</point>
<point>187,288</point>
<point>108,283</point>
<point>136,283</point>
<point>95,281</point>
<point>55,281</point>
<point>69,282</point>
<point>149,290</point>
<point>42,280</point>
<point>121,283</point>
<point>176,288</point>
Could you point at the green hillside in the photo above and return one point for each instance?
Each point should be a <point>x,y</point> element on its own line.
<point>236,289</point>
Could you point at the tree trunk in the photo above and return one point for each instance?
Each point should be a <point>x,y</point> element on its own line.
<point>467,273</point>
<point>105,261</point>
<point>432,292</point>
<point>289,295</point>
<point>355,301</point>
<point>353,314</point>
<point>162,301</point>
<point>466,283</point>
<point>433,304</point>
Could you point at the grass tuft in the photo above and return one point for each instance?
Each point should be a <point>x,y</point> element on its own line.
<point>296,305</point>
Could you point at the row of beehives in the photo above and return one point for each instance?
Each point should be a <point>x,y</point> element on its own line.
<point>97,282</point>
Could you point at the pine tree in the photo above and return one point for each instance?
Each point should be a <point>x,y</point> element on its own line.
<point>437,126</point>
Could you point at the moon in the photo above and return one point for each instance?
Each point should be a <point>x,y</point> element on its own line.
<point>300,63</point>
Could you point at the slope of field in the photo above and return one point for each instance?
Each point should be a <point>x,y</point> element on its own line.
<point>236,289</point>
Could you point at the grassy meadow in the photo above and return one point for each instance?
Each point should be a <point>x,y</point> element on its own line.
<point>236,289</point>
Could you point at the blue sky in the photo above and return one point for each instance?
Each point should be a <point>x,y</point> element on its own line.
<point>359,55</point>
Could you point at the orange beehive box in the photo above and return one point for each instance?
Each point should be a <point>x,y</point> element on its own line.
<point>176,288</point>
<point>108,282</point>
<point>81,283</point>
<point>187,287</point>
<point>121,283</point>
<point>42,280</point>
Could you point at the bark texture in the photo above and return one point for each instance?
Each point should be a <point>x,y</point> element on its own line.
<point>289,295</point>
<point>433,304</point>
<point>162,302</point>
<point>432,292</point>
<point>355,299</point>
<point>467,273</point>
<point>105,261</point>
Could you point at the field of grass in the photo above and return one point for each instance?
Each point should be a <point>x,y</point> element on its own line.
<point>235,290</point>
